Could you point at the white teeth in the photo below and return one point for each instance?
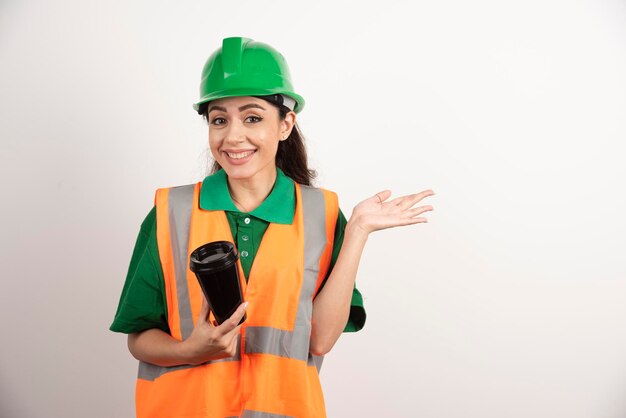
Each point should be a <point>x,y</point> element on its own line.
<point>239,155</point>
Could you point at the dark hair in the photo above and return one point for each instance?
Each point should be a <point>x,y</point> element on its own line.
<point>291,156</point>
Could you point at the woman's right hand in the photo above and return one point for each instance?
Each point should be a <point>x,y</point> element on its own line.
<point>212,342</point>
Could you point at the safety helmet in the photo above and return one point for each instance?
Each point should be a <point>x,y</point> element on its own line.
<point>244,67</point>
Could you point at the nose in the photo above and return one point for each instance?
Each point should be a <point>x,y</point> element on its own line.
<point>235,133</point>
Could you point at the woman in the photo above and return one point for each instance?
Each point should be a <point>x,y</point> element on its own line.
<point>300,293</point>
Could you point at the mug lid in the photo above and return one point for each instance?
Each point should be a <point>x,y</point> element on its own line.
<point>215,255</point>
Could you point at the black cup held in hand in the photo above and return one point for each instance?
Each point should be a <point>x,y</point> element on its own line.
<point>215,266</point>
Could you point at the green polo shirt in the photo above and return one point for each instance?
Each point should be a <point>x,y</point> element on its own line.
<point>143,303</point>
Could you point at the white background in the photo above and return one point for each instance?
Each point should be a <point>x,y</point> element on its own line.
<point>508,303</point>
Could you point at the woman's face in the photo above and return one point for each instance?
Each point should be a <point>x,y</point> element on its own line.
<point>244,133</point>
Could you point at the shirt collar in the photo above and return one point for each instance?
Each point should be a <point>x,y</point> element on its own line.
<point>278,207</point>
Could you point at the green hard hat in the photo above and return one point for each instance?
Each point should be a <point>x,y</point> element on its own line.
<point>243,67</point>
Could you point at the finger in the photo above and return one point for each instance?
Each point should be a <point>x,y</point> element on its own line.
<point>412,199</point>
<point>232,348</point>
<point>407,201</point>
<point>232,334</point>
<point>411,221</point>
<point>393,205</point>
<point>427,192</point>
<point>411,213</point>
<point>232,322</point>
<point>232,341</point>
<point>204,311</point>
<point>396,201</point>
<point>418,221</point>
<point>399,222</point>
<point>381,196</point>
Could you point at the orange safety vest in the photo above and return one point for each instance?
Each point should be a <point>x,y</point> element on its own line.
<point>273,374</point>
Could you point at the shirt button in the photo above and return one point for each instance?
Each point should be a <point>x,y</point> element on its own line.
<point>245,237</point>
<point>246,221</point>
<point>244,253</point>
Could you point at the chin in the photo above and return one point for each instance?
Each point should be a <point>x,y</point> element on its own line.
<point>239,173</point>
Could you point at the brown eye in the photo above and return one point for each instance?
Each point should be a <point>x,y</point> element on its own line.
<point>218,121</point>
<point>254,119</point>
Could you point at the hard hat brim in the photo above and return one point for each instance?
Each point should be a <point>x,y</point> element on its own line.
<point>248,92</point>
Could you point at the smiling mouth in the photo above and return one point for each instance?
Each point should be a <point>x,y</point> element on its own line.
<point>239,155</point>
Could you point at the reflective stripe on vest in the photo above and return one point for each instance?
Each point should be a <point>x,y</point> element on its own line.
<point>180,201</point>
<point>280,291</point>
<point>256,414</point>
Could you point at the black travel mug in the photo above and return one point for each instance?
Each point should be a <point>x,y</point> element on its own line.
<point>215,266</point>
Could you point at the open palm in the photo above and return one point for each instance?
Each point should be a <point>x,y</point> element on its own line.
<point>376,213</point>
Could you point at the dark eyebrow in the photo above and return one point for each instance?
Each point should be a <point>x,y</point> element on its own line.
<point>251,105</point>
<point>241,109</point>
<point>212,108</point>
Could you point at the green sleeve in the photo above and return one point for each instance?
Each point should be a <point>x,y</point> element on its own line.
<point>356,320</point>
<point>142,304</point>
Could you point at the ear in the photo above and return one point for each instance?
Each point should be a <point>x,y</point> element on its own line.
<point>287,125</point>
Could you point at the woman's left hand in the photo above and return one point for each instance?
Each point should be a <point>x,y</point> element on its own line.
<point>375,213</point>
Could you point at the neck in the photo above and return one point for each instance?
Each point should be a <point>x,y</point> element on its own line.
<point>249,193</point>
